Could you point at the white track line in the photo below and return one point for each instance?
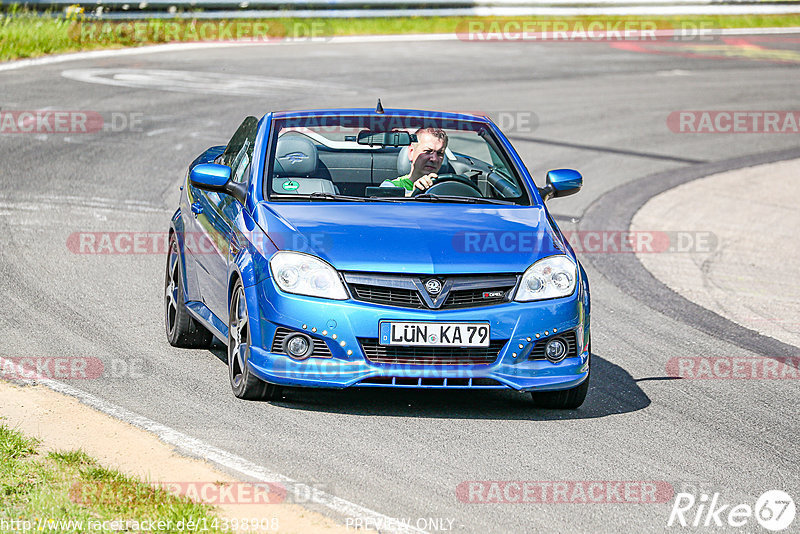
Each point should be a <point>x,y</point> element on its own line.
<point>352,39</point>
<point>231,462</point>
<point>33,203</point>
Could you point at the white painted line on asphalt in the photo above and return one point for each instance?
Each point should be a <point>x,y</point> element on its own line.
<point>97,54</point>
<point>351,39</point>
<point>203,82</point>
<point>234,463</point>
<point>37,202</point>
<point>757,31</point>
<point>159,131</point>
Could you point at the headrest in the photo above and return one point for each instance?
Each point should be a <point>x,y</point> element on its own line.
<point>403,163</point>
<point>295,156</point>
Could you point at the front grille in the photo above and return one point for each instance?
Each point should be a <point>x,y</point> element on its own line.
<point>429,382</point>
<point>321,349</point>
<point>402,355</point>
<point>568,337</point>
<point>407,291</point>
<point>475,297</point>
<point>390,296</point>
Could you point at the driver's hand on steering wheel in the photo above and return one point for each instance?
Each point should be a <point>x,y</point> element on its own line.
<point>425,182</point>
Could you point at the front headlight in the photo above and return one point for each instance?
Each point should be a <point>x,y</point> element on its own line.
<point>302,274</point>
<point>548,278</point>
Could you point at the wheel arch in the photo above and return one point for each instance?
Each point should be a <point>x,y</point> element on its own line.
<point>176,229</point>
<point>232,279</point>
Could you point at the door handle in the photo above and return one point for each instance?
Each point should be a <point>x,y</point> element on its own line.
<point>197,209</point>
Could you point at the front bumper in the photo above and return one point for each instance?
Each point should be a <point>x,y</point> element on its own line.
<point>350,321</point>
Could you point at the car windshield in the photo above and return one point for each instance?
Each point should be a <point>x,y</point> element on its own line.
<point>366,158</point>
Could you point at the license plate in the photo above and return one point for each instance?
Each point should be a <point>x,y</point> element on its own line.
<point>434,334</point>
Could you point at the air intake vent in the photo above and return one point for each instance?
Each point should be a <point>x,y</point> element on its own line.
<point>400,355</point>
<point>426,382</point>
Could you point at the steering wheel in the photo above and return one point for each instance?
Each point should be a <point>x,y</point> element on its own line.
<point>457,185</point>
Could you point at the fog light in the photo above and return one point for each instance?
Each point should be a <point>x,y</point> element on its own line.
<point>555,350</point>
<point>298,346</point>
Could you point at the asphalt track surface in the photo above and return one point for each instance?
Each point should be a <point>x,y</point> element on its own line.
<point>599,108</point>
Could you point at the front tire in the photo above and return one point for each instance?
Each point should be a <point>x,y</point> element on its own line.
<point>182,330</point>
<point>244,384</point>
<point>565,399</point>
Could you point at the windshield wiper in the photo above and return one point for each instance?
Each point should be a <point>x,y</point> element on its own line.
<point>331,196</point>
<point>319,196</point>
<point>464,200</point>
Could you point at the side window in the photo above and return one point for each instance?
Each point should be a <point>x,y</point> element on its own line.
<point>498,162</point>
<point>239,152</point>
<point>469,144</point>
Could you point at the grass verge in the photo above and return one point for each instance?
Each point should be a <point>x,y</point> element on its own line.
<point>67,491</point>
<point>25,34</point>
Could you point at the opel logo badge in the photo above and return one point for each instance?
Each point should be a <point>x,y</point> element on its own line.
<point>294,157</point>
<point>433,286</point>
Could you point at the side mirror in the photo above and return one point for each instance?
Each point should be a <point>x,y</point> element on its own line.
<point>217,178</point>
<point>561,183</point>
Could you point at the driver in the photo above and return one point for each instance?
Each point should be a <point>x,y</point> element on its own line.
<point>426,156</point>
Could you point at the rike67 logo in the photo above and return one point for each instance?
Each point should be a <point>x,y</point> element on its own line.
<point>774,510</point>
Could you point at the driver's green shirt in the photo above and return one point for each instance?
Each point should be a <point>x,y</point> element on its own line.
<point>401,181</point>
<point>404,182</point>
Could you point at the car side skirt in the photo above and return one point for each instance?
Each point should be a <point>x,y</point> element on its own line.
<point>203,315</point>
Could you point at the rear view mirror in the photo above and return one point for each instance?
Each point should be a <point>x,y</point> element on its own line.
<point>367,137</point>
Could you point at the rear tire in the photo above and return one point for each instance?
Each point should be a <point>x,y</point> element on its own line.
<point>245,385</point>
<point>182,330</point>
<point>565,399</point>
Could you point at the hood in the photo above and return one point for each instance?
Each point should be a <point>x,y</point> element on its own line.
<point>412,237</point>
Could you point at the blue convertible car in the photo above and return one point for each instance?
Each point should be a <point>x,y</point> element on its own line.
<point>378,248</point>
